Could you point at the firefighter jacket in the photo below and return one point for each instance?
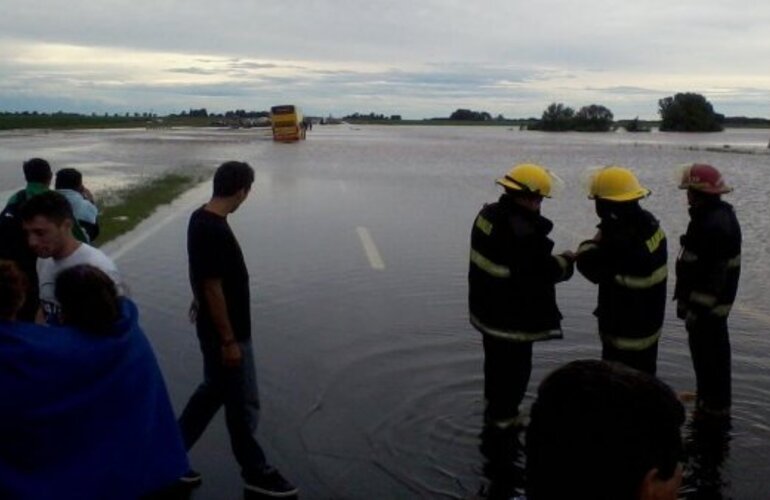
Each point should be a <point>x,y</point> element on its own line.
<point>629,263</point>
<point>512,274</point>
<point>709,263</point>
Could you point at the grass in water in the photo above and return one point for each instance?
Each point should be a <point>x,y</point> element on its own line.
<point>122,210</point>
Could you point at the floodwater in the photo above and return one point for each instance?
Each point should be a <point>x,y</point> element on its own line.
<point>370,375</point>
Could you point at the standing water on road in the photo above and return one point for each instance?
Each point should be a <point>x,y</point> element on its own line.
<point>357,244</point>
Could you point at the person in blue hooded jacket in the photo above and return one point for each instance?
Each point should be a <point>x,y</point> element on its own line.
<point>84,411</point>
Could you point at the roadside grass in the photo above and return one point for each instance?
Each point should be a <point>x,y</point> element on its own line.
<point>69,121</point>
<point>121,210</point>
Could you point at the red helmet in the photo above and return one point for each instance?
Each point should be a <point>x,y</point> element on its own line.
<point>703,178</point>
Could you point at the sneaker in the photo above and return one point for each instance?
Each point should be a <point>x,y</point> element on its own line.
<point>271,484</point>
<point>191,478</point>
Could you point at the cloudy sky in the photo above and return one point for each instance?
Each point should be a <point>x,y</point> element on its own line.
<point>417,58</point>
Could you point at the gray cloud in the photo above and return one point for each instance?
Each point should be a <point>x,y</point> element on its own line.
<point>334,54</point>
<point>193,71</point>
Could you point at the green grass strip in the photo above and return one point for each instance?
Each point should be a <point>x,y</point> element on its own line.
<point>122,210</point>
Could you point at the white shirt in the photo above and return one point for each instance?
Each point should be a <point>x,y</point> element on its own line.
<point>48,269</point>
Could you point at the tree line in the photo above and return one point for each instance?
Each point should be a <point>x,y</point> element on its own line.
<point>682,112</point>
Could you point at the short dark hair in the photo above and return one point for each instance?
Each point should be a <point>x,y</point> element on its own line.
<point>88,298</point>
<point>68,178</point>
<point>601,427</point>
<point>37,170</point>
<point>231,177</point>
<point>13,289</point>
<point>50,204</point>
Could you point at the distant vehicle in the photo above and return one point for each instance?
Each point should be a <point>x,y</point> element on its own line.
<point>287,123</point>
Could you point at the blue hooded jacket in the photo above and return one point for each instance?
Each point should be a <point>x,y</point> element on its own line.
<point>84,416</point>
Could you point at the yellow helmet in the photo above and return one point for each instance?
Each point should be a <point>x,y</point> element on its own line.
<point>530,178</point>
<point>616,183</point>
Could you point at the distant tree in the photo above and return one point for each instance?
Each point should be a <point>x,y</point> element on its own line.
<point>688,112</point>
<point>556,117</point>
<point>593,118</point>
<point>635,126</point>
<point>395,118</point>
<point>468,115</point>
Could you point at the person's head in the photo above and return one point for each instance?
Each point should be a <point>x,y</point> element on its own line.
<point>37,170</point>
<point>69,178</point>
<point>528,184</point>
<point>47,220</point>
<point>615,183</point>
<point>606,431</point>
<point>88,298</point>
<point>616,190</point>
<point>233,179</point>
<point>703,183</point>
<point>13,287</point>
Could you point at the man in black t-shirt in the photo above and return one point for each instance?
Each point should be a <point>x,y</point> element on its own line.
<point>221,311</point>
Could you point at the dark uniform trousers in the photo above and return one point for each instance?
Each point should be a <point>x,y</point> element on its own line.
<point>710,350</point>
<point>507,368</point>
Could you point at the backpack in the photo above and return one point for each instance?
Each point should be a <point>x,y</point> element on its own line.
<point>13,244</point>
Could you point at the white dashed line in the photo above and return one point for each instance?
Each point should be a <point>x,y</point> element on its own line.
<point>375,260</point>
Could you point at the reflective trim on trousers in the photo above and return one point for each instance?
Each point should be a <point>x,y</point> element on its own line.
<point>514,335</point>
<point>631,344</point>
<point>642,282</point>
<point>490,267</point>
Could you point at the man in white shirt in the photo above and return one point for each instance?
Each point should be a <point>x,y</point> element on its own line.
<point>48,221</point>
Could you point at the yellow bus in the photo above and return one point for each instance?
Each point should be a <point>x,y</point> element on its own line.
<point>287,123</point>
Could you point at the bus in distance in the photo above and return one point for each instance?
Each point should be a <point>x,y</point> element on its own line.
<point>287,123</point>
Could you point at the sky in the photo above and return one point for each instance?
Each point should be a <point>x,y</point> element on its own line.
<point>414,58</point>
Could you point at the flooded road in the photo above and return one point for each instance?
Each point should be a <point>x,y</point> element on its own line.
<point>357,244</point>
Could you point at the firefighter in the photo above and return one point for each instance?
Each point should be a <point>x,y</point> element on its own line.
<point>707,273</point>
<point>627,258</point>
<point>511,280</point>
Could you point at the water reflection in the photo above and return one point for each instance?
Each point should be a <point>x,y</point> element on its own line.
<point>706,452</point>
<point>503,466</point>
<point>707,448</point>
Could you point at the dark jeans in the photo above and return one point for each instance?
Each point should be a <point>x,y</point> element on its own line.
<point>507,367</point>
<point>236,389</point>
<point>710,349</point>
<point>645,360</point>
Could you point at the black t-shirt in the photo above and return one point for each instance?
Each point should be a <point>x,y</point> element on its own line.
<point>214,253</point>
